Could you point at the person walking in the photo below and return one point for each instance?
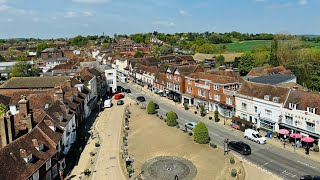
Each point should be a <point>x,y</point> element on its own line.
<point>284,144</point>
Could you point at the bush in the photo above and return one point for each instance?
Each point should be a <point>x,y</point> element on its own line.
<point>216,115</point>
<point>130,169</point>
<point>201,134</point>
<point>202,111</point>
<point>87,172</point>
<point>232,161</point>
<point>233,172</point>
<point>171,119</point>
<point>151,109</point>
<point>97,144</point>
<point>316,148</point>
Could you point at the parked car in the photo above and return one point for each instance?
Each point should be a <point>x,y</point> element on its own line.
<point>120,89</point>
<point>254,136</point>
<point>190,125</point>
<point>309,177</point>
<point>156,106</point>
<point>141,98</point>
<point>118,96</point>
<point>127,90</point>
<point>240,147</point>
<point>120,102</point>
<point>107,103</point>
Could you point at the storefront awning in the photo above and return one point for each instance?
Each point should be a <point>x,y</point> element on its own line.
<point>239,120</point>
<point>300,130</point>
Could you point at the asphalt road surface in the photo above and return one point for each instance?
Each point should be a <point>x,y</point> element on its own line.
<point>277,161</point>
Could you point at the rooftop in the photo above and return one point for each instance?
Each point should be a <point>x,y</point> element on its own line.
<point>34,82</point>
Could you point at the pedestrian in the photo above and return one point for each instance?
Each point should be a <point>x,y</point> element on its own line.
<point>79,176</point>
<point>284,144</point>
<point>307,150</point>
<point>176,177</point>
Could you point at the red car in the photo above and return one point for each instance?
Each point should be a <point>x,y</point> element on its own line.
<point>118,96</point>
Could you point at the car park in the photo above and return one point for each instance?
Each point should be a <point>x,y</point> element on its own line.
<point>190,125</point>
<point>120,102</point>
<point>254,136</point>
<point>240,147</point>
<point>141,98</point>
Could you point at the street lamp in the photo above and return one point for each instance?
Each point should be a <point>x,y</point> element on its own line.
<point>295,139</point>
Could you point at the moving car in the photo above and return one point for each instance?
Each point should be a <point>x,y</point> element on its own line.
<point>118,96</point>
<point>141,98</point>
<point>309,177</point>
<point>107,103</point>
<point>254,136</point>
<point>240,147</point>
<point>190,125</point>
<point>120,102</point>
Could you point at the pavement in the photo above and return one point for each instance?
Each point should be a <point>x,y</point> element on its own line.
<point>270,158</point>
<point>109,126</point>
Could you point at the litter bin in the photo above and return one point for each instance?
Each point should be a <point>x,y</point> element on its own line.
<point>268,135</point>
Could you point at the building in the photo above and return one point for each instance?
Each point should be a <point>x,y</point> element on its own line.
<point>260,105</point>
<point>276,79</point>
<point>51,53</point>
<point>145,75</point>
<point>111,78</point>
<point>159,85</point>
<point>213,91</point>
<point>301,113</point>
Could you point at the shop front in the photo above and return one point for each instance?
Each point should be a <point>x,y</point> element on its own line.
<point>303,132</point>
<point>267,124</point>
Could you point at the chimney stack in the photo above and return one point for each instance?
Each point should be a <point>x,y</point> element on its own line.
<point>23,153</point>
<point>24,106</point>
<point>59,95</point>
<point>35,143</point>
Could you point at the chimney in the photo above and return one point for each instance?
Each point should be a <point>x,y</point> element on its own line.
<point>24,107</point>
<point>7,130</point>
<point>35,144</point>
<point>23,153</point>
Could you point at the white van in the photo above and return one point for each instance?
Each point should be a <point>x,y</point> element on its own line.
<point>254,136</point>
<point>107,103</point>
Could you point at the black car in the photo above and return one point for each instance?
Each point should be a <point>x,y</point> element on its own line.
<point>120,102</point>
<point>141,98</point>
<point>156,106</point>
<point>120,89</point>
<point>240,147</point>
<point>127,90</point>
<point>309,177</point>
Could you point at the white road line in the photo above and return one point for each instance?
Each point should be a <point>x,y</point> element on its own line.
<point>288,174</point>
<point>266,163</point>
<point>306,164</point>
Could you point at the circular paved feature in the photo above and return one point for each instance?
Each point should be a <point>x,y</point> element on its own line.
<point>167,167</point>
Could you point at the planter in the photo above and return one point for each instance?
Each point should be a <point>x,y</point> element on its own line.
<point>190,133</point>
<point>217,120</point>
<point>210,118</point>
<point>195,112</point>
<point>233,172</point>
<point>87,172</point>
<point>211,144</point>
<point>232,161</point>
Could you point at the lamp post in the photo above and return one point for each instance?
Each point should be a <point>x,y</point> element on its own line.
<point>295,139</point>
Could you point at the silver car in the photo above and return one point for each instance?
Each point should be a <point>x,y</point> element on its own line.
<point>190,125</point>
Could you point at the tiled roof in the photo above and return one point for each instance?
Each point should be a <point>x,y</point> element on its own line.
<point>12,164</point>
<point>34,82</point>
<point>161,78</point>
<point>214,78</point>
<point>267,70</point>
<point>304,99</point>
<point>260,90</point>
<point>146,69</point>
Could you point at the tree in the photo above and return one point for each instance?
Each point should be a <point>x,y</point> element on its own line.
<point>139,54</point>
<point>201,134</point>
<point>220,60</point>
<point>3,109</point>
<point>216,115</point>
<point>171,119</point>
<point>245,63</point>
<point>151,108</point>
<point>79,41</point>
<point>20,69</point>
<point>2,59</point>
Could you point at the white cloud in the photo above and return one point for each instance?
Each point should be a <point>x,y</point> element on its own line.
<point>54,18</point>
<point>260,0</point>
<point>303,2</point>
<point>90,1</point>
<point>11,10</point>
<point>9,20</point>
<point>71,14</point>
<point>87,13</point>
<point>183,12</point>
<point>35,19</point>
<point>164,23</point>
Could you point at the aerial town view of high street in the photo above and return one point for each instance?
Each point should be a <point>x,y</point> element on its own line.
<point>159,90</point>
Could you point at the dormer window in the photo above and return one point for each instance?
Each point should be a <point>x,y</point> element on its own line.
<point>41,147</point>
<point>29,158</point>
<point>267,97</point>
<point>53,128</point>
<point>275,99</point>
<point>292,106</point>
<point>311,110</point>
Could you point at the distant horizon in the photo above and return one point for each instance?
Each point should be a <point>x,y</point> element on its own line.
<point>69,18</point>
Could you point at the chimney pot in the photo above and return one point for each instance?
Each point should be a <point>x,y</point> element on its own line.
<point>23,153</point>
<point>35,142</point>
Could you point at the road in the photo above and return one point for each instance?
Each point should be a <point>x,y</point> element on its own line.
<point>280,162</point>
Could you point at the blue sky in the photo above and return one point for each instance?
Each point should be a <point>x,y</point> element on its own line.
<point>68,18</point>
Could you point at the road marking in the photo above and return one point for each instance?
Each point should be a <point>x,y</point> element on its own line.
<point>306,164</point>
<point>288,174</point>
<point>266,163</point>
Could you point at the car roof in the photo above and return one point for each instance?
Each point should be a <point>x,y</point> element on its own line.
<point>194,123</point>
<point>243,144</point>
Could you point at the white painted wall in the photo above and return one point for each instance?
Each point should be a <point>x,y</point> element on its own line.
<point>111,75</point>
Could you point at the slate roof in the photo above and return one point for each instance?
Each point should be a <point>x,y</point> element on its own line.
<point>12,164</point>
<point>303,100</point>
<point>260,90</point>
<point>34,82</point>
<point>272,79</point>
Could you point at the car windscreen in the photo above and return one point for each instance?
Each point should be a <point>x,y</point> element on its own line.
<point>258,135</point>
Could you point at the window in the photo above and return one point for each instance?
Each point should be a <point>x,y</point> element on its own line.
<point>268,112</point>
<point>229,101</point>
<point>310,126</point>
<point>206,83</point>
<point>292,106</point>
<point>289,120</point>
<point>275,99</point>
<point>244,106</point>
<point>311,110</point>
<point>244,116</point>
<point>217,97</point>
<point>189,90</point>
<point>35,175</point>
<point>110,74</point>
<point>216,87</point>
<point>55,170</point>
<point>201,92</point>
<point>179,79</point>
<point>48,164</point>
<point>109,81</point>
<point>168,76</point>
<point>210,95</point>
<point>189,81</point>
<point>267,97</point>
<point>48,175</point>
<point>233,87</point>
<point>256,109</point>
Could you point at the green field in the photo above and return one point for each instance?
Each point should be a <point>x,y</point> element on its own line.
<point>245,46</point>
